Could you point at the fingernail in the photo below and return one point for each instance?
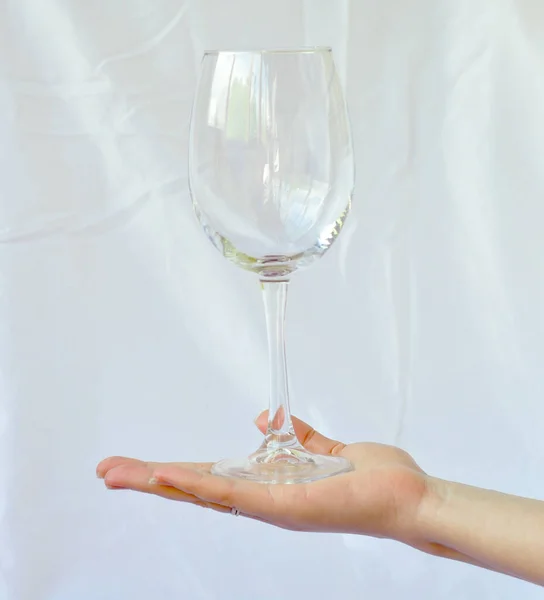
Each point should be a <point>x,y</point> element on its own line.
<point>114,487</point>
<point>155,481</point>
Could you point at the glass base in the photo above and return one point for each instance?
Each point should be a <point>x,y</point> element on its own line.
<point>283,465</point>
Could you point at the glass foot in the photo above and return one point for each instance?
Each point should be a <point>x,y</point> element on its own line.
<point>283,465</point>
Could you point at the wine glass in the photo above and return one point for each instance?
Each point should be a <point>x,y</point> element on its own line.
<point>271,174</point>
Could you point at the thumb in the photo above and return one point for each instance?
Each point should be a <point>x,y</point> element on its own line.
<point>307,436</point>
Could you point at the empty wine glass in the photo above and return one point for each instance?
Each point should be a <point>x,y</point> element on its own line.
<point>271,174</point>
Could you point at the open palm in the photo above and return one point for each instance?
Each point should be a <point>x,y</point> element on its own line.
<point>380,497</point>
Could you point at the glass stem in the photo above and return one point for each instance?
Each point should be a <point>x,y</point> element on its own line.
<point>280,431</point>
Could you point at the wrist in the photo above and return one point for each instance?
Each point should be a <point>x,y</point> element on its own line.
<point>434,523</point>
<point>432,504</point>
<point>423,531</point>
<point>418,501</point>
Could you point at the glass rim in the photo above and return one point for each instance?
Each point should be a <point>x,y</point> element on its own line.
<point>294,50</point>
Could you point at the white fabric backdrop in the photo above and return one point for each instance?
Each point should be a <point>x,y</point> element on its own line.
<point>122,331</point>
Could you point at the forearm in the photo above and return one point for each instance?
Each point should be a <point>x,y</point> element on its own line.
<point>501,532</point>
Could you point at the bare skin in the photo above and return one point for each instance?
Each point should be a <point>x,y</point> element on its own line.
<point>387,495</point>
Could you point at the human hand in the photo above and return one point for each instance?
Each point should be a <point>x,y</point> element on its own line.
<point>381,497</point>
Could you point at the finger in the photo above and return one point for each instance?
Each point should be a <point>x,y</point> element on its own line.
<point>137,478</point>
<point>254,499</point>
<point>116,461</point>
<point>132,477</point>
<point>307,435</point>
<point>278,419</point>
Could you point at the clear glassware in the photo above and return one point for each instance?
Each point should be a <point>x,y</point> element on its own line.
<point>271,174</point>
